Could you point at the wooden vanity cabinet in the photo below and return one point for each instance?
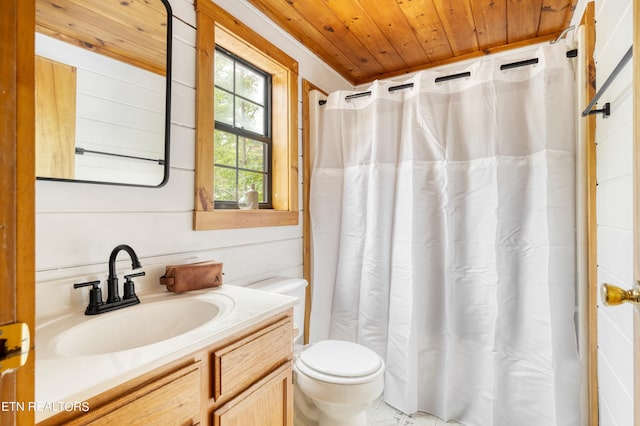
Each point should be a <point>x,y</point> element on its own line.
<point>243,380</point>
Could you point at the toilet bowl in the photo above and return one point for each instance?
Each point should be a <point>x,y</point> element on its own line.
<point>334,380</point>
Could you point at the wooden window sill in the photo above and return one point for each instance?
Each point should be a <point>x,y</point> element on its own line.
<point>234,219</point>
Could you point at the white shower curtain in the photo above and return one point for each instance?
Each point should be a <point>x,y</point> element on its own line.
<point>443,226</point>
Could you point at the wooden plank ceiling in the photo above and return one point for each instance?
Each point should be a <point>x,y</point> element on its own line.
<point>131,31</point>
<point>364,40</point>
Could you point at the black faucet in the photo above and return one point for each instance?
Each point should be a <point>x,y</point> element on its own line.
<point>96,305</point>
<point>112,281</point>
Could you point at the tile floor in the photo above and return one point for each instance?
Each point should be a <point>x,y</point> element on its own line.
<point>381,414</point>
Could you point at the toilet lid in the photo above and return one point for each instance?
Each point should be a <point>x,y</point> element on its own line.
<point>341,359</point>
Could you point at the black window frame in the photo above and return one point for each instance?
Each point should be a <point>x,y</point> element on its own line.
<point>241,132</point>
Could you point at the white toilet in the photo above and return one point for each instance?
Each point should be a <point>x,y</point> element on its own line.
<point>335,381</point>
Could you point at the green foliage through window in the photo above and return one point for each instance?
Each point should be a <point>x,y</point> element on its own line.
<point>242,141</point>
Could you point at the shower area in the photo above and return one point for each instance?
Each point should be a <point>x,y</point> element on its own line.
<point>444,236</point>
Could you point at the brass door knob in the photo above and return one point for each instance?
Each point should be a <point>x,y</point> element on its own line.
<point>612,295</point>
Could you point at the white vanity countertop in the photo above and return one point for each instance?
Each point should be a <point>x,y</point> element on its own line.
<point>76,379</point>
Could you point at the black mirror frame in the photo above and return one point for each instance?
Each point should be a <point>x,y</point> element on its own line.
<point>167,128</point>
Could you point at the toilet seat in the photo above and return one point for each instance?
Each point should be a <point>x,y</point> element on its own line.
<point>339,362</point>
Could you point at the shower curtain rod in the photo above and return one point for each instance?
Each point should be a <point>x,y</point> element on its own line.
<point>562,34</point>
<point>570,54</point>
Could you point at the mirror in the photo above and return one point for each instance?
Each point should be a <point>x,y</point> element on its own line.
<point>103,82</point>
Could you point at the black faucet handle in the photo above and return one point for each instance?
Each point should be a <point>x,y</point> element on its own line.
<point>95,284</point>
<point>95,295</point>
<point>129,289</point>
<point>138,274</point>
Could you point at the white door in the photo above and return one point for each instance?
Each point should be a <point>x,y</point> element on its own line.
<point>636,205</point>
<point>616,234</point>
<point>618,220</point>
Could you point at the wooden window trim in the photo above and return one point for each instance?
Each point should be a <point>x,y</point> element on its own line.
<point>216,26</point>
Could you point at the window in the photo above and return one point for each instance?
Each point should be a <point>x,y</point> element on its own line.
<point>242,146</point>
<point>250,87</point>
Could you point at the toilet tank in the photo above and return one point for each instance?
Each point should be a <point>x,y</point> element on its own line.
<point>295,287</point>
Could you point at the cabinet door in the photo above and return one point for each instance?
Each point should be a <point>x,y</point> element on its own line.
<point>269,402</point>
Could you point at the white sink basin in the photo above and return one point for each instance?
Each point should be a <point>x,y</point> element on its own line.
<point>128,328</point>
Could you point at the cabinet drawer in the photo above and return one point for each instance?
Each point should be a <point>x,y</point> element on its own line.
<point>238,365</point>
<point>170,400</point>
